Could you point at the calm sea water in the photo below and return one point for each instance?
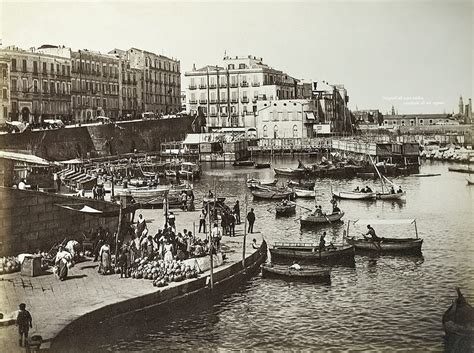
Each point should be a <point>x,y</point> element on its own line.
<point>383,304</point>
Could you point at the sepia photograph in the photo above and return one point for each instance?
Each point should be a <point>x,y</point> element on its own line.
<point>250,176</point>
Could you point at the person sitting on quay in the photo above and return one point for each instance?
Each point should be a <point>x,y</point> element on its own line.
<point>254,244</point>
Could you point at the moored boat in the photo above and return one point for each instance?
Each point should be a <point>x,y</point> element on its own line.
<point>307,185</point>
<point>304,273</point>
<point>298,172</point>
<point>458,320</point>
<point>424,175</point>
<point>253,183</point>
<point>304,193</point>
<point>262,165</point>
<point>312,218</point>
<point>190,170</point>
<point>404,246</point>
<point>243,163</point>
<point>308,252</point>
<point>354,195</point>
<point>271,194</point>
<point>286,208</point>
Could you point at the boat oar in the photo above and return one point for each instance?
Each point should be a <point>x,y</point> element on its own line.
<point>306,208</point>
<point>327,219</point>
<point>377,245</point>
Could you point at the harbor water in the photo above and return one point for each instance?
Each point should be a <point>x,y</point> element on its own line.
<point>384,303</point>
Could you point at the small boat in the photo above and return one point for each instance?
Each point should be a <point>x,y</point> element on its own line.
<point>305,273</point>
<point>286,208</point>
<point>190,170</point>
<point>254,183</point>
<point>386,245</point>
<point>312,219</point>
<point>354,195</point>
<point>271,194</point>
<point>424,175</point>
<point>243,163</point>
<point>304,193</point>
<point>461,169</point>
<point>262,165</point>
<point>307,185</point>
<point>290,171</point>
<point>307,252</point>
<point>458,320</point>
<point>390,196</point>
<point>365,175</point>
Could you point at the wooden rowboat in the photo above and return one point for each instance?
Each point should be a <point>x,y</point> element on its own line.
<point>271,194</point>
<point>390,196</point>
<point>254,183</point>
<point>262,165</point>
<point>305,273</point>
<point>307,252</point>
<point>243,163</point>
<point>312,219</point>
<point>307,185</point>
<point>388,245</point>
<point>458,320</point>
<point>424,175</point>
<point>352,195</point>
<point>290,171</point>
<point>304,193</point>
<point>286,208</point>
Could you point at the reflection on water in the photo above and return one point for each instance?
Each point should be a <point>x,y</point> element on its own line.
<point>383,303</point>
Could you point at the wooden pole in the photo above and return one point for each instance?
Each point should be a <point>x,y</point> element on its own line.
<point>118,231</point>
<point>245,234</point>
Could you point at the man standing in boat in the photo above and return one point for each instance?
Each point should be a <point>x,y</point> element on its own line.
<point>371,232</point>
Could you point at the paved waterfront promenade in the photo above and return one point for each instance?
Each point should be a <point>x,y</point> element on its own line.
<point>54,304</point>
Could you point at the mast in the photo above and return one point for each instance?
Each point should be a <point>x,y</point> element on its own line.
<point>378,173</point>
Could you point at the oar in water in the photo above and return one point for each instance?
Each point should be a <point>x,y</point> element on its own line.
<point>327,219</point>
<point>377,245</point>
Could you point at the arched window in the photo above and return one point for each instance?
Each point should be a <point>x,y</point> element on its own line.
<point>265,132</point>
<point>275,131</point>
<point>295,131</point>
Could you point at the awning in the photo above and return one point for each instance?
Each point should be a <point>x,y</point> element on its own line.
<point>310,116</point>
<point>83,209</point>
<point>384,221</point>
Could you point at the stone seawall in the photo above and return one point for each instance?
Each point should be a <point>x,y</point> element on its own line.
<point>99,139</point>
<point>31,220</point>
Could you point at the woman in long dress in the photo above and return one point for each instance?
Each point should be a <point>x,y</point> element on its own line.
<point>105,259</point>
<point>168,251</point>
<point>62,259</point>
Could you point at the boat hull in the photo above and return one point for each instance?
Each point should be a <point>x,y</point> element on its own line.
<point>286,210</point>
<point>286,253</point>
<point>388,245</point>
<point>262,165</point>
<point>349,195</point>
<point>396,196</point>
<point>303,193</point>
<point>313,219</point>
<point>307,274</point>
<point>271,195</point>
<point>289,172</point>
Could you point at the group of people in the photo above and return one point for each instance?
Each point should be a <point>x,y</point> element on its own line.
<point>318,211</point>
<point>367,189</point>
<point>98,192</point>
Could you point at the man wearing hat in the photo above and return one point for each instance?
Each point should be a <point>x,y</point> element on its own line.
<point>24,322</point>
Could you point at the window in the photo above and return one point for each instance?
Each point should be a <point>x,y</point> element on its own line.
<point>275,131</point>
<point>4,94</point>
<point>24,65</point>
<point>64,88</point>
<point>45,86</point>
<point>57,68</point>
<point>14,85</point>
<point>5,113</point>
<point>35,67</point>
<point>35,86</point>
<point>231,66</point>
<point>421,121</point>
<point>52,68</point>
<point>44,68</point>
<point>295,131</point>
<point>13,64</point>
<point>412,122</point>
<point>64,70</point>
<point>51,86</point>
<point>265,132</point>
<point>431,121</point>
<point>241,66</point>
<point>24,83</point>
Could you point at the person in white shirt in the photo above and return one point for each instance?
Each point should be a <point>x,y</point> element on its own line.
<point>22,184</point>
<point>216,236</point>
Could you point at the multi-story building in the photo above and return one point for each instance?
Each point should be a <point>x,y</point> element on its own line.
<point>38,84</point>
<point>95,85</point>
<point>333,101</point>
<point>5,91</point>
<point>419,120</point>
<point>159,88</point>
<point>370,116</point>
<point>227,95</point>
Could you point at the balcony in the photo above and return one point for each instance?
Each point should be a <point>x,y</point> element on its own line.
<point>254,100</point>
<point>190,86</point>
<point>212,85</point>
<point>223,100</point>
<point>255,84</point>
<point>212,101</point>
<point>203,101</point>
<point>213,114</point>
<point>224,115</point>
<point>244,84</point>
<point>234,114</point>
<point>192,101</point>
<point>223,85</point>
<point>234,100</point>
<point>234,85</point>
<point>245,99</point>
<point>201,86</point>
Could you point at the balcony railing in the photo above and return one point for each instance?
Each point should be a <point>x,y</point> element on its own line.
<point>212,85</point>
<point>202,86</point>
<point>224,115</point>
<point>245,99</point>
<point>244,84</point>
<point>255,84</point>
<point>234,100</point>
<point>192,101</point>
<point>213,114</point>
<point>212,101</point>
<point>234,114</point>
<point>191,86</point>
<point>223,85</point>
<point>233,85</point>
<point>203,101</point>
<point>223,100</point>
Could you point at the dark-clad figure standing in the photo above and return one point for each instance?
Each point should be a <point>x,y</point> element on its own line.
<point>237,212</point>
<point>251,220</point>
<point>202,221</point>
<point>24,323</point>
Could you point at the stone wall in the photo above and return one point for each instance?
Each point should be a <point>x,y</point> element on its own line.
<point>99,140</point>
<point>31,220</point>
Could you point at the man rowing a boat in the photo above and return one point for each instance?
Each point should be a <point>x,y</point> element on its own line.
<point>372,234</point>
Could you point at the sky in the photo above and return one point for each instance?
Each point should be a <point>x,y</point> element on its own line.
<point>415,55</point>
